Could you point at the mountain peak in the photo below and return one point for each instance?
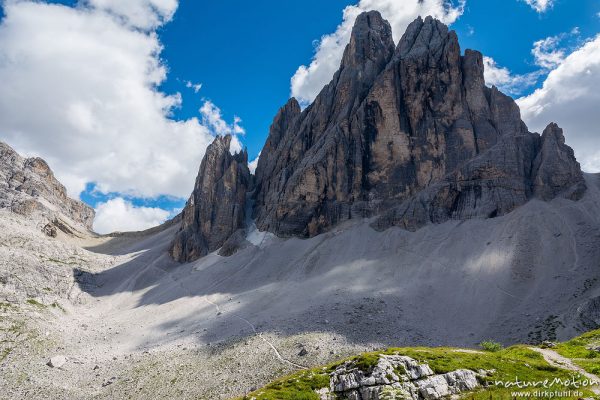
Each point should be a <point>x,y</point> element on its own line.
<point>371,41</point>
<point>216,209</point>
<point>423,36</point>
<point>409,133</point>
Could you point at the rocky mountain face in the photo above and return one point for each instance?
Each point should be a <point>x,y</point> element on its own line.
<point>408,133</point>
<point>28,187</point>
<point>217,206</point>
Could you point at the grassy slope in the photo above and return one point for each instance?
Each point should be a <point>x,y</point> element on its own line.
<point>516,361</point>
<point>577,349</point>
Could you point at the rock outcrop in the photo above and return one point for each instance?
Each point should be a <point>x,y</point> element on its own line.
<point>398,377</point>
<point>409,132</point>
<point>28,187</point>
<point>216,209</point>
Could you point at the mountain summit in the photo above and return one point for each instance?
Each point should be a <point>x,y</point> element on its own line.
<point>409,133</point>
<point>418,134</point>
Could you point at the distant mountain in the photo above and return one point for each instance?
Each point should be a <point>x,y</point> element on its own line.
<point>28,187</point>
<point>409,133</point>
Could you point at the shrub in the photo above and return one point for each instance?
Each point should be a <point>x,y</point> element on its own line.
<point>490,345</point>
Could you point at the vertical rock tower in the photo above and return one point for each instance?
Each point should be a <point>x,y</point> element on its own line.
<point>216,208</point>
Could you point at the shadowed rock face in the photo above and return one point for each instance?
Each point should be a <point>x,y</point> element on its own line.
<point>410,133</point>
<point>216,208</point>
<point>28,186</point>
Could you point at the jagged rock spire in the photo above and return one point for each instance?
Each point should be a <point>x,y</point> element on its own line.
<point>410,133</point>
<point>415,123</point>
<point>216,208</point>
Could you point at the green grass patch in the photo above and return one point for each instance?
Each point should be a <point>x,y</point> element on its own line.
<point>366,362</point>
<point>507,364</point>
<point>4,353</point>
<point>4,306</point>
<point>580,351</point>
<point>36,303</point>
<point>298,386</point>
<point>58,306</point>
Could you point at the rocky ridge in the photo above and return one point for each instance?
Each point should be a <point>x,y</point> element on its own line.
<point>411,131</point>
<point>29,187</point>
<point>408,133</point>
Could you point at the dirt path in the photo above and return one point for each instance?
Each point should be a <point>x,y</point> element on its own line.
<point>556,360</point>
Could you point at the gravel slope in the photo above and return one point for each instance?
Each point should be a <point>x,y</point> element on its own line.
<point>221,326</point>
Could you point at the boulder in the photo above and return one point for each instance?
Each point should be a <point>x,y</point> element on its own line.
<point>57,361</point>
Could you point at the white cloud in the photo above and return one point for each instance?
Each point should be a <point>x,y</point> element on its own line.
<point>550,52</point>
<point>80,88</point>
<point>212,117</point>
<point>540,5</point>
<point>569,97</point>
<point>308,81</point>
<point>507,82</point>
<point>194,86</point>
<point>121,215</point>
<point>142,14</point>
<point>253,164</point>
<point>546,52</point>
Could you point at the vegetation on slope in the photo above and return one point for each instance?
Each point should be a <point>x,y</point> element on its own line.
<point>583,350</point>
<point>505,365</point>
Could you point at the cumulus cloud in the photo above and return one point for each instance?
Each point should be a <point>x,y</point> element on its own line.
<point>504,80</point>
<point>540,5</point>
<point>121,215</point>
<point>569,97</point>
<point>546,52</point>
<point>80,88</point>
<point>308,80</point>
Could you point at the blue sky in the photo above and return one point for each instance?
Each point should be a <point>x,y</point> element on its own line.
<point>243,54</point>
<point>246,66</point>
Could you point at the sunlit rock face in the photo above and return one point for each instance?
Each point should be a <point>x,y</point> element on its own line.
<point>409,132</point>
<point>28,186</point>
